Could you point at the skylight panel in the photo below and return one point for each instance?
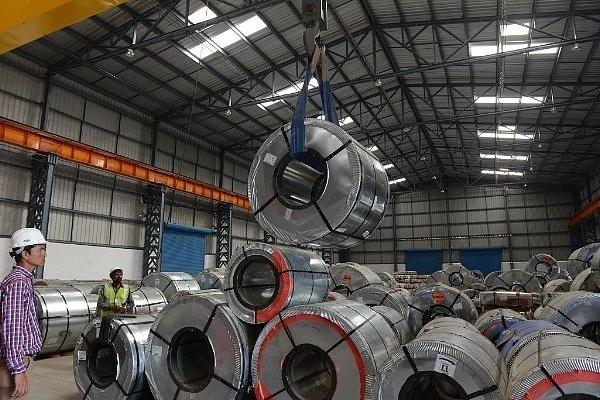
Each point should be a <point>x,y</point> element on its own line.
<point>478,50</point>
<point>504,172</point>
<point>399,180</point>
<point>373,148</point>
<point>515,30</point>
<point>504,135</point>
<point>294,88</point>
<point>387,166</point>
<point>509,100</point>
<point>503,157</point>
<point>202,14</point>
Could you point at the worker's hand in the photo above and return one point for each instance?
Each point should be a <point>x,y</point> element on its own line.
<point>115,309</point>
<point>21,385</point>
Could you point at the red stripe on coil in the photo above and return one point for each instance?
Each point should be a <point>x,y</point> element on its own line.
<point>540,388</point>
<point>286,285</point>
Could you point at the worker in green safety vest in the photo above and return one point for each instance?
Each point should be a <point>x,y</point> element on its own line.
<point>115,297</point>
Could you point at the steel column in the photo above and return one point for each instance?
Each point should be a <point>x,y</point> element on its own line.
<point>155,207</point>
<point>224,216</point>
<point>327,256</point>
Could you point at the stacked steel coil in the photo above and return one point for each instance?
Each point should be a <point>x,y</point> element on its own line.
<point>265,279</point>
<point>335,198</point>
<point>382,296</point>
<point>387,278</point>
<point>63,313</point>
<point>517,280</point>
<point>346,278</point>
<point>170,282</point>
<point>108,361</point>
<point>490,278</point>
<point>334,296</point>
<point>585,281</point>
<point>553,287</point>
<point>198,349</point>
<point>493,322</point>
<point>554,366</point>
<point>579,312</point>
<point>543,265</point>
<point>147,300</point>
<point>580,258</point>
<point>454,275</point>
<point>504,299</point>
<point>397,321</point>
<point>449,359</point>
<point>322,351</point>
<point>213,278</point>
<point>437,300</point>
<point>595,267</point>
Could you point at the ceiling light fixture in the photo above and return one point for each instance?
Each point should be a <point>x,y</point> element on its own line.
<point>130,53</point>
<point>377,82</point>
<point>576,45</point>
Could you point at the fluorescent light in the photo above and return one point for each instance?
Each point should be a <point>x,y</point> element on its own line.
<point>503,157</point>
<point>387,166</point>
<point>509,100</point>
<point>343,121</point>
<point>373,148</point>
<point>397,181</point>
<point>202,14</point>
<point>479,50</point>
<point>294,88</point>
<point>506,135</point>
<point>501,172</point>
<point>229,37</point>
<point>515,30</point>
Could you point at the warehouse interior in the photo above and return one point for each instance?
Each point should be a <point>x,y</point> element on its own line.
<point>144,135</point>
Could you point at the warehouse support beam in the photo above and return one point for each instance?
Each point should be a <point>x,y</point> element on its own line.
<point>33,139</point>
<point>155,207</point>
<point>327,256</point>
<point>38,210</point>
<point>268,238</point>
<point>585,231</point>
<point>223,216</point>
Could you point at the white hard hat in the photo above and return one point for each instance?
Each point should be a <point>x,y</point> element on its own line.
<point>25,237</point>
<point>113,270</point>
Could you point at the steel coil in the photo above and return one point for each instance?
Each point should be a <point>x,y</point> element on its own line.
<point>321,351</point>
<point>334,296</point>
<point>397,321</point>
<point>478,276</point>
<point>382,296</point>
<point>558,366</point>
<point>265,279</point>
<point>490,278</point>
<point>108,361</point>
<point>63,313</point>
<point>545,265</point>
<point>493,322</point>
<point>388,279</point>
<point>454,275</point>
<point>584,281</point>
<point>449,359</point>
<point>213,278</point>
<point>198,349</point>
<point>170,282</point>
<point>553,287</point>
<point>579,312</point>
<point>346,278</point>
<point>517,280</point>
<point>595,267</point>
<point>335,203</point>
<point>147,300</point>
<point>504,299</point>
<point>437,300</point>
<point>580,258</point>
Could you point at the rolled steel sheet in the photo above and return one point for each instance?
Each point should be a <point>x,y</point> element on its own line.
<point>183,293</point>
<point>108,361</point>
<point>490,278</point>
<point>63,313</point>
<point>584,281</point>
<point>335,203</point>
<point>397,321</point>
<point>438,300</point>
<point>553,287</point>
<point>387,278</point>
<point>543,265</point>
<point>556,367</point>
<point>382,296</point>
<point>321,351</point>
<point>346,278</point>
<point>198,349</point>
<point>580,258</point>
<point>579,312</point>
<point>334,296</point>
<point>213,278</point>
<point>504,299</point>
<point>478,276</point>
<point>449,359</point>
<point>517,280</point>
<point>147,300</point>
<point>454,275</point>
<point>265,279</point>
<point>170,282</point>
<point>493,322</point>
<point>595,267</point>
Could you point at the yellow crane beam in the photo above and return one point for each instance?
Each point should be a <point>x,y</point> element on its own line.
<point>23,21</point>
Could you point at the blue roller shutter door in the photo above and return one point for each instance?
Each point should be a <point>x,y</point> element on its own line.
<point>183,249</point>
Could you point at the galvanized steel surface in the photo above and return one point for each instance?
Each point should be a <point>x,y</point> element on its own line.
<point>545,265</point>
<point>147,300</point>
<point>346,278</point>
<point>213,278</point>
<point>584,281</point>
<point>382,296</point>
<point>517,280</point>
<point>493,322</point>
<point>397,321</point>
<point>454,275</point>
<point>579,312</point>
<point>170,282</point>
<point>580,259</point>
<point>336,203</point>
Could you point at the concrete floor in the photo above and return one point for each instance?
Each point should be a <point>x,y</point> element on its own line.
<point>52,379</point>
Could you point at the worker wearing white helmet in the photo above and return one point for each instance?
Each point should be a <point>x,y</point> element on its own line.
<point>20,338</point>
<point>115,297</point>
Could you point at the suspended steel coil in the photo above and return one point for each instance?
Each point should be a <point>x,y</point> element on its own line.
<point>170,282</point>
<point>449,359</point>
<point>213,278</point>
<point>437,300</point>
<point>558,366</point>
<point>397,321</point>
<point>493,322</point>
<point>147,300</point>
<point>382,296</point>
<point>265,279</point>
<point>579,312</point>
<point>336,202</point>
<point>198,349</point>
<point>579,260</point>
<point>490,278</point>
<point>321,351</point>
<point>63,313</point>
<point>517,280</point>
<point>584,281</point>
<point>346,278</point>
<point>108,361</point>
<point>545,265</point>
<point>387,279</point>
<point>454,275</point>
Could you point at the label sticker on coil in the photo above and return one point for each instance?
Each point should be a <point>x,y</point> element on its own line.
<point>445,365</point>
<point>157,351</point>
<point>157,282</point>
<point>437,297</point>
<point>288,214</point>
<point>270,159</point>
<point>81,355</point>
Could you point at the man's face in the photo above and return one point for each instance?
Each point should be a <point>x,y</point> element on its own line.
<point>36,256</point>
<point>117,276</point>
